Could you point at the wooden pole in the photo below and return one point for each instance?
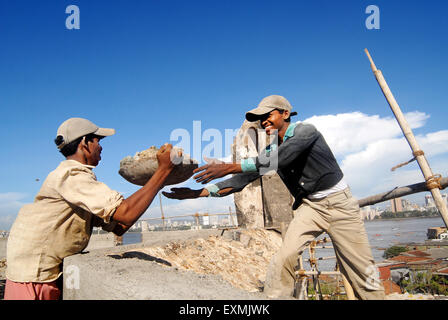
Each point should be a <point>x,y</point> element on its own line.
<point>231,217</point>
<point>417,152</point>
<point>399,192</point>
<point>161,210</point>
<point>348,288</point>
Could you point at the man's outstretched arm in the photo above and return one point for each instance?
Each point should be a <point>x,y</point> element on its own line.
<point>212,171</point>
<point>221,189</point>
<point>133,207</point>
<point>187,193</point>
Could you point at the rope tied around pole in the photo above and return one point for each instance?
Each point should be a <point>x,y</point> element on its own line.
<point>433,182</point>
<point>415,154</point>
<point>418,153</point>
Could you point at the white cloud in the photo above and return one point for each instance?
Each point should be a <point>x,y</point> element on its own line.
<point>351,132</point>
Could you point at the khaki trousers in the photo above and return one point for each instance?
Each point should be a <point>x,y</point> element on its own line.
<point>339,216</point>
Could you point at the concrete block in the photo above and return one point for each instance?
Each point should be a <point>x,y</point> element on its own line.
<point>245,239</point>
<point>125,273</point>
<point>277,201</point>
<point>237,235</point>
<point>98,241</point>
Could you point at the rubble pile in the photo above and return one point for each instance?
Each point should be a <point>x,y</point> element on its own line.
<point>239,257</point>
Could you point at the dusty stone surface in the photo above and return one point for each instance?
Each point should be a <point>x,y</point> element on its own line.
<point>142,166</point>
<point>142,277</point>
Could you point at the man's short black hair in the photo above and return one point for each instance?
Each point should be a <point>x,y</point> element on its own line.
<point>71,148</point>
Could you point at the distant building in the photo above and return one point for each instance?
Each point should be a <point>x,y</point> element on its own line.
<point>369,213</point>
<point>204,220</point>
<point>429,201</point>
<point>396,205</point>
<point>225,221</point>
<point>136,225</point>
<point>409,206</point>
<point>214,220</point>
<point>232,220</point>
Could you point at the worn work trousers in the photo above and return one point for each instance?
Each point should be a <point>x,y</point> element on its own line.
<point>339,216</point>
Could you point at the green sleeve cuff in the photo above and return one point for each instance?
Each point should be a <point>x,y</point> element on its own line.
<point>212,190</point>
<point>248,165</point>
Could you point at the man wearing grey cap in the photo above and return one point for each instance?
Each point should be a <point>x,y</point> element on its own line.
<point>69,204</point>
<point>323,201</point>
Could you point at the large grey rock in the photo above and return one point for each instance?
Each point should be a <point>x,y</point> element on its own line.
<point>265,202</point>
<point>277,202</point>
<point>140,168</point>
<point>249,201</point>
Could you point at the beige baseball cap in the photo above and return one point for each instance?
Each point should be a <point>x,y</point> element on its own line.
<point>74,128</point>
<point>267,105</point>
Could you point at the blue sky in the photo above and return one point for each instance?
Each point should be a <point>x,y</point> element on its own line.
<point>147,68</point>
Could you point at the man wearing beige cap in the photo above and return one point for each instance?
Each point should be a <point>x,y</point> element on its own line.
<point>323,201</point>
<point>69,204</point>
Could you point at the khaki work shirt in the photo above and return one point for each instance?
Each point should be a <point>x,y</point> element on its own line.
<point>59,222</point>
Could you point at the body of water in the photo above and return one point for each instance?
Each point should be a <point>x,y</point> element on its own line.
<point>132,237</point>
<point>385,233</point>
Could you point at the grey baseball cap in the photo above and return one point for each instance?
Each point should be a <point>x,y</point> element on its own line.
<point>74,128</point>
<point>267,105</point>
